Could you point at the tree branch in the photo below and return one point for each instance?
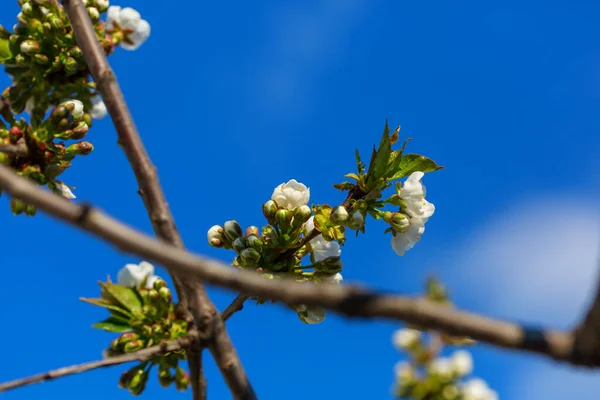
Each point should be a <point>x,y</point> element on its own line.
<point>14,149</point>
<point>149,187</point>
<point>236,305</point>
<point>141,355</point>
<point>348,300</point>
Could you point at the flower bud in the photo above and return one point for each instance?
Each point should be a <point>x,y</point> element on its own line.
<point>252,230</point>
<point>239,245</point>
<point>125,379</point>
<point>283,218</point>
<point>30,47</point>
<point>138,382</point>
<point>250,256</point>
<point>356,221</point>
<point>81,148</point>
<point>27,10</point>
<point>134,345</point>
<point>80,130</point>
<point>182,380</point>
<point>159,284</point>
<point>165,378</point>
<point>75,107</point>
<point>232,229</point>
<point>406,339</point>
<point>165,294</point>
<point>331,265</point>
<point>398,221</point>
<point>94,14</point>
<point>102,5</point>
<point>17,206</point>
<point>216,236</point>
<point>21,60</point>
<point>269,210</point>
<point>41,59</point>
<point>301,215</point>
<point>126,338</point>
<point>254,242</point>
<point>339,215</point>
<point>30,210</point>
<point>70,65</point>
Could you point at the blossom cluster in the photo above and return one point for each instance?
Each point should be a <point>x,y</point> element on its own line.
<point>142,311</point>
<point>429,374</point>
<point>52,83</point>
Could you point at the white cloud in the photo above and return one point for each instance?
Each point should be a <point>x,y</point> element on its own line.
<point>538,263</point>
<point>305,41</point>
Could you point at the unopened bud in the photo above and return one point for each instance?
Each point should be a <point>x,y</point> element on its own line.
<point>239,245</point>
<point>398,221</point>
<point>80,130</point>
<point>165,378</point>
<point>41,59</point>
<point>252,230</point>
<point>94,14</point>
<point>30,210</point>
<point>215,236</point>
<point>30,47</point>
<point>17,206</point>
<point>356,221</point>
<point>339,215</point>
<point>159,284</point>
<point>269,210</point>
<point>81,148</point>
<point>254,242</point>
<point>283,219</point>
<point>102,5</point>
<point>182,379</point>
<point>250,256</point>
<point>71,65</point>
<point>134,345</point>
<point>75,107</point>
<point>165,294</point>
<point>301,215</point>
<point>138,382</point>
<point>232,229</point>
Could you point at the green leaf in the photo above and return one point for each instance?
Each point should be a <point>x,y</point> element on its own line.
<point>359,163</point>
<point>353,176</point>
<point>380,158</point>
<point>115,309</point>
<point>112,324</point>
<point>410,163</point>
<point>127,297</point>
<point>5,53</point>
<point>344,186</point>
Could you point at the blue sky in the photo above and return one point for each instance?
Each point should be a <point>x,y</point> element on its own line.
<point>234,98</point>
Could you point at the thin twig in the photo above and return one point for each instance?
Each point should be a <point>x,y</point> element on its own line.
<point>141,355</point>
<point>236,305</point>
<point>348,300</point>
<point>14,149</point>
<point>151,191</point>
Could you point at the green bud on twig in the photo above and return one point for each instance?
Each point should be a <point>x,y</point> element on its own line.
<point>255,243</point>
<point>232,229</point>
<point>269,211</point>
<point>250,256</point>
<point>339,215</point>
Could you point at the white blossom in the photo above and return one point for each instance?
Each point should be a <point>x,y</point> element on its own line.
<point>404,241</point>
<point>441,366</point>
<point>462,362</point>
<point>321,248</point>
<point>77,107</point>
<point>130,22</point>
<point>98,110</point>
<point>406,338</point>
<point>62,189</point>
<point>337,278</point>
<point>291,194</point>
<point>132,275</point>
<point>477,389</point>
<point>413,194</point>
<point>404,371</point>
